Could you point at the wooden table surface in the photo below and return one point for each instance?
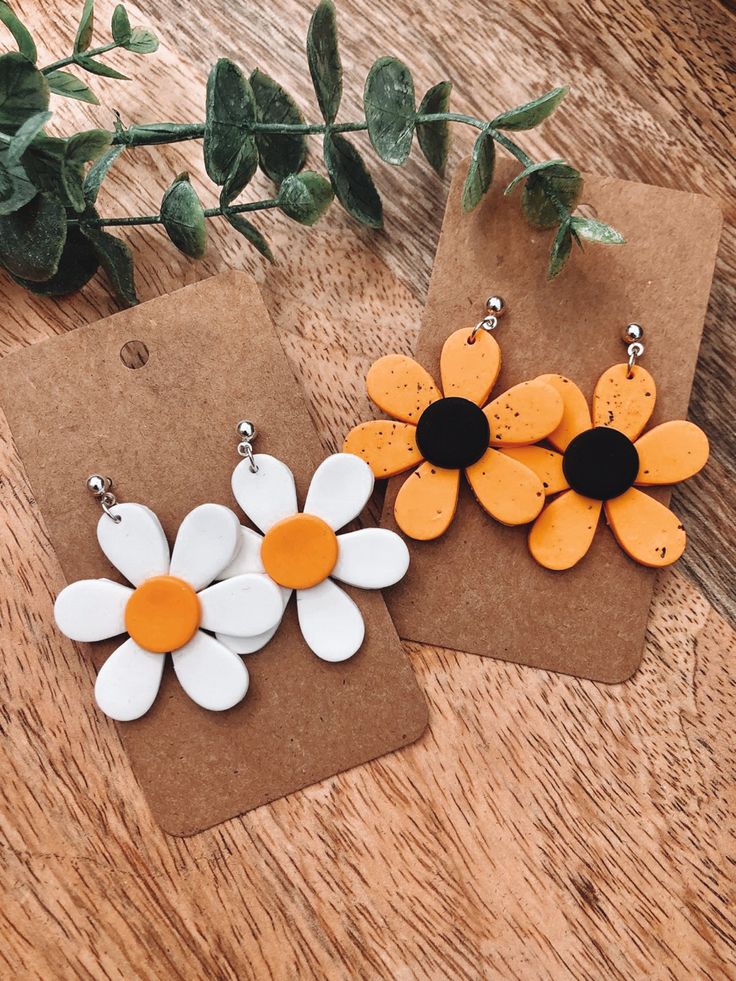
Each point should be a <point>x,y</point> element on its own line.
<point>543,827</point>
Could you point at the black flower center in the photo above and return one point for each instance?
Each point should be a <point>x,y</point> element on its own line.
<point>601,463</point>
<point>453,433</point>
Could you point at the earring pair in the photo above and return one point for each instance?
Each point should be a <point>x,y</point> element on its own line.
<point>535,454</point>
<point>222,590</point>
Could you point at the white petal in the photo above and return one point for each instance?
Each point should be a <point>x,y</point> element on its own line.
<point>243,606</point>
<point>340,489</point>
<point>210,674</point>
<point>371,558</point>
<point>331,623</point>
<point>249,645</point>
<point>206,543</point>
<point>268,495</point>
<point>128,682</point>
<point>248,556</point>
<point>136,545</point>
<point>92,609</point>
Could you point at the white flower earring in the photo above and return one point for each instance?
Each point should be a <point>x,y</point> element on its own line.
<point>302,552</point>
<point>169,608</point>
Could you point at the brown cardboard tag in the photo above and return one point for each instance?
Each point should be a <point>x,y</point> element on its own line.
<point>165,432</point>
<point>477,589</point>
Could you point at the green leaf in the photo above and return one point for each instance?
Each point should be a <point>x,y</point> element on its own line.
<point>78,150</point>
<point>25,134</point>
<point>142,41</point>
<point>560,252</point>
<point>531,169</point>
<point>351,181</point>
<point>98,68</point>
<point>57,166</point>
<point>87,145</point>
<point>23,90</point>
<point>251,233</point>
<point>42,162</point>
<point>244,167</point>
<point>596,231</point>
<point>434,138</point>
<point>323,56</point>
<point>531,114</point>
<point>117,260</point>
<point>32,239</point>
<point>77,266</point>
<point>183,218</point>
<point>86,26</point>
<point>231,109</point>
<point>68,85</point>
<point>21,34</point>
<point>560,180</point>
<point>388,100</point>
<point>121,33</point>
<point>280,154</point>
<point>98,172</point>
<point>16,189</point>
<point>72,190</point>
<point>305,197</point>
<point>480,172</point>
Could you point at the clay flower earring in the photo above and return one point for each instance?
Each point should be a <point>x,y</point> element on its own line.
<point>169,607</point>
<point>303,552</point>
<point>445,432</point>
<point>605,460</point>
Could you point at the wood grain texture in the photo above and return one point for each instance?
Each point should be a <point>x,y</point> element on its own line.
<point>544,827</point>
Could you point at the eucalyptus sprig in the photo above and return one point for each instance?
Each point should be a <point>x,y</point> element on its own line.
<point>52,239</point>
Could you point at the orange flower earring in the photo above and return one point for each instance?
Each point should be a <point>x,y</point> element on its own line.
<point>445,431</point>
<point>603,461</point>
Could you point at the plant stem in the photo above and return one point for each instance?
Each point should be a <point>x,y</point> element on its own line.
<point>72,59</point>
<point>236,209</point>
<point>153,134</point>
<point>451,117</point>
<point>307,129</point>
<point>512,147</point>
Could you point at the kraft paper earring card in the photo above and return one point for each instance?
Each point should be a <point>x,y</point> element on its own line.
<point>165,431</point>
<point>477,588</point>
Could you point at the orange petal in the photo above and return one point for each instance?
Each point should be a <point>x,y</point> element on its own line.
<point>426,502</point>
<point>671,452</point>
<point>645,529</point>
<point>563,532</point>
<point>401,387</point>
<point>575,414</point>
<point>510,492</point>
<point>469,371</point>
<point>546,464</point>
<point>387,447</point>
<point>525,414</point>
<point>624,403</point>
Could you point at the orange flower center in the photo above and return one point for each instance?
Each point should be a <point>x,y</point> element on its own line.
<point>162,614</point>
<point>299,552</point>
